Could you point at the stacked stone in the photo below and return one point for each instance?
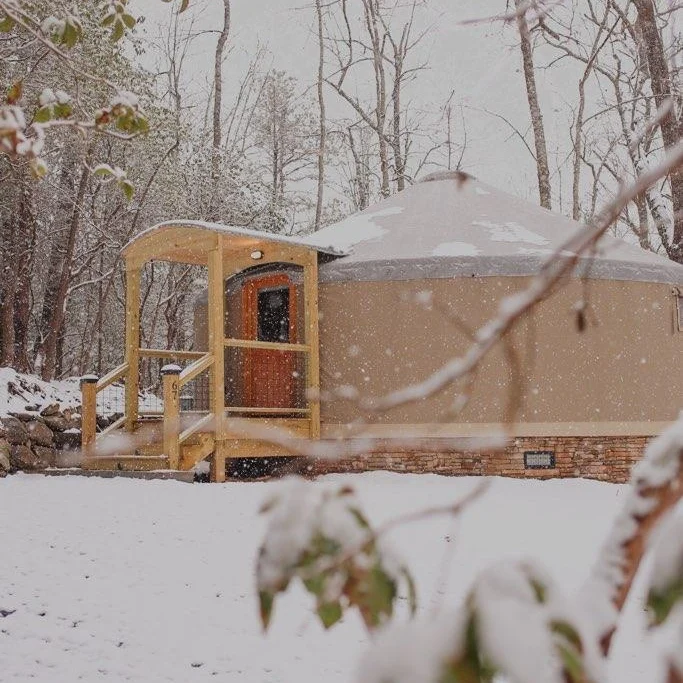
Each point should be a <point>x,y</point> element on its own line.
<point>37,439</point>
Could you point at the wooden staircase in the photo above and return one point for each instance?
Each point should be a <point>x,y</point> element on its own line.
<point>142,450</point>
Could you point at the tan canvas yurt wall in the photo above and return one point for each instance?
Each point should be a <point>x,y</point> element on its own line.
<point>421,271</point>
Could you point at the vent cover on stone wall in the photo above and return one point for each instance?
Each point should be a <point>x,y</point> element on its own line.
<point>539,460</point>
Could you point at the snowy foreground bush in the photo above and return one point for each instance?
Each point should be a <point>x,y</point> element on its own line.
<point>515,621</point>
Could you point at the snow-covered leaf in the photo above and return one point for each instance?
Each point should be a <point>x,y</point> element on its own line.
<point>322,537</point>
<point>14,92</point>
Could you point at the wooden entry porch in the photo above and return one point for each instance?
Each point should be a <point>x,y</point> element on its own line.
<point>180,433</point>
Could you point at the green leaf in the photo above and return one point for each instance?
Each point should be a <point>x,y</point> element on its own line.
<point>568,632</point>
<point>62,111</point>
<point>43,114</point>
<point>266,601</point>
<point>472,666</point>
<point>661,603</point>
<point>71,34</point>
<point>108,20</point>
<point>330,613</point>
<point>360,518</point>
<point>14,92</point>
<point>103,170</point>
<point>128,189</point>
<point>315,585</point>
<point>377,596</point>
<point>6,24</point>
<point>118,31</point>
<point>128,20</point>
<point>572,662</point>
<point>38,168</point>
<point>540,591</point>
<point>183,6</point>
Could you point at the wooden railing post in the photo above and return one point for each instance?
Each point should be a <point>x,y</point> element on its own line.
<point>171,427</point>
<point>88,413</point>
<point>313,342</point>
<point>132,345</point>
<point>216,328</point>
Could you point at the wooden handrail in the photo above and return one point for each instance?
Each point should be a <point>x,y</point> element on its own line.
<point>275,346</point>
<point>111,377</point>
<point>194,369</point>
<point>202,422</point>
<point>113,426</point>
<point>265,411</point>
<point>166,353</point>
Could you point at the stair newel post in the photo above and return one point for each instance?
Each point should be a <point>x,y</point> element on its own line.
<point>132,344</point>
<point>88,413</point>
<point>216,328</point>
<point>171,429</point>
<point>312,339</point>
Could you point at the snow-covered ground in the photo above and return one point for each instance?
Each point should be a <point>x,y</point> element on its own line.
<point>27,393</point>
<point>125,580</point>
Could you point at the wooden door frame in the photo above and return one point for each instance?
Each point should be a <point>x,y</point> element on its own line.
<point>250,290</point>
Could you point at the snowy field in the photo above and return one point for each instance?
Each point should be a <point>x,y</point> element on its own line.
<point>125,580</point>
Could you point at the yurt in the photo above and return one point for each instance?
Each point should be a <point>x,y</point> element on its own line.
<point>578,387</point>
<point>298,342</point>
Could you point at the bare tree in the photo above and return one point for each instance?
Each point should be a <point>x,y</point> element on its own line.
<point>323,123</point>
<point>542,168</point>
<point>387,49</point>
<point>218,106</point>
<point>670,123</point>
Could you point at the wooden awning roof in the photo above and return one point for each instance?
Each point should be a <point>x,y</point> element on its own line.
<point>191,241</point>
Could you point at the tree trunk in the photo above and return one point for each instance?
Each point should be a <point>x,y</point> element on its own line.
<point>217,109</point>
<point>323,131</point>
<point>669,124</point>
<point>17,237</point>
<point>9,280</point>
<point>22,298</point>
<point>54,303</point>
<point>542,168</point>
<point>399,158</point>
<point>372,26</point>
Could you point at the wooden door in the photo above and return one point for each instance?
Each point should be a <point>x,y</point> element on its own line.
<point>269,314</point>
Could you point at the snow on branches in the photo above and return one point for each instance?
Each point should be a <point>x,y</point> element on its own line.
<point>23,125</point>
<point>665,595</point>
<point>322,537</point>
<point>514,622</point>
<point>656,487</point>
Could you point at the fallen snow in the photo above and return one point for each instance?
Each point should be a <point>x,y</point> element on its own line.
<point>21,393</point>
<point>123,580</point>
<point>511,232</point>
<point>455,249</point>
<point>353,230</point>
<point>17,391</point>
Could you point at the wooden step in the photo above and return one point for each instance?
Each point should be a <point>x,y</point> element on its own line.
<point>197,448</point>
<point>126,463</point>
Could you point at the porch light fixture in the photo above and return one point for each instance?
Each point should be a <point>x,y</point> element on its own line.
<point>257,255</point>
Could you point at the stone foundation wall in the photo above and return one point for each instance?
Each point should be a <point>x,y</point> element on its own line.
<point>38,439</point>
<point>602,458</point>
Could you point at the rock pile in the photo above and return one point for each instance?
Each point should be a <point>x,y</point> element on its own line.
<point>36,438</point>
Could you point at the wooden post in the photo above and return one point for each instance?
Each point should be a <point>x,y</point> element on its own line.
<point>88,413</point>
<point>132,345</point>
<point>171,427</point>
<point>217,465</point>
<point>216,327</point>
<point>312,339</point>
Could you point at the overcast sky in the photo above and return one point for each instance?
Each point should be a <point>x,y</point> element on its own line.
<point>481,63</point>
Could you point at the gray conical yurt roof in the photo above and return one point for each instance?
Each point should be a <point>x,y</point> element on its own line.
<point>453,225</point>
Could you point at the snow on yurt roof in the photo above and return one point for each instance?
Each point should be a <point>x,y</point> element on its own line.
<point>453,225</point>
